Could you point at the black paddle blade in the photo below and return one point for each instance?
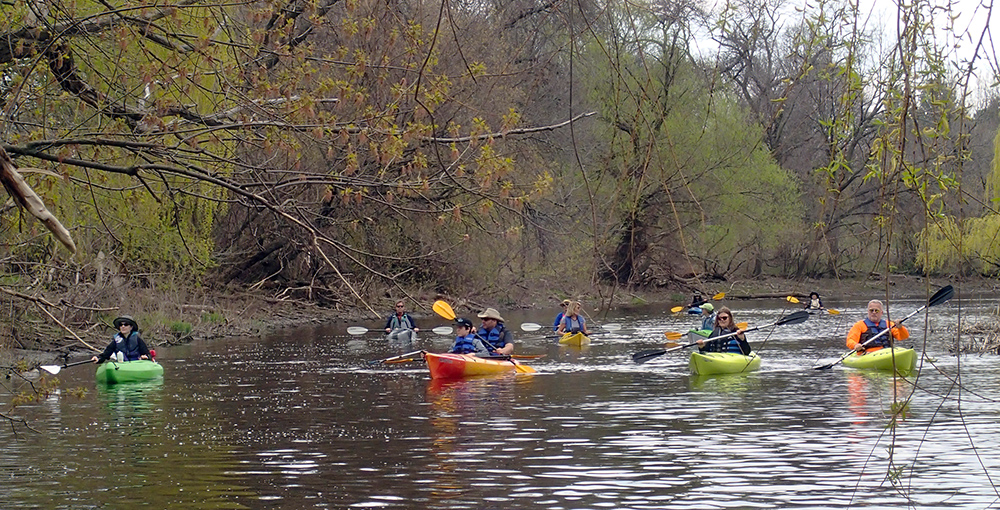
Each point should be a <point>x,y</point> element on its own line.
<point>644,356</point>
<point>795,318</point>
<point>942,295</point>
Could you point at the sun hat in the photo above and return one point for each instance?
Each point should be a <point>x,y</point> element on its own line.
<point>708,307</point>
<point>462,321</point>
<point>491,313</point>
<point>126,319</point>
<point>565,302</point>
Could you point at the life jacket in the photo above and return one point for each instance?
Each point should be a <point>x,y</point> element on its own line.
<point>731,344</point>
<point>128,346</point>
<point>815,304</point>
<point>874,329</point>
<point>397,322</point>
<point>468,344</point>
<point>555,325</point>
<point>572,325</point>
<point>493,336</point>
<point>708,322</point>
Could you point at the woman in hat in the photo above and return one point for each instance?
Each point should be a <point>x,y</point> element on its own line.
<point>814,303</point>
<point>707,316</point>
<point>497,337</point>
<point>467,342</point>
<point>127,341</point>
<point>563,305</point>
<point>573,322</point>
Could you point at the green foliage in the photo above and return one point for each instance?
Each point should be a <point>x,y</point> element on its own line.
<point>949,246</point>
<point>181,328</point>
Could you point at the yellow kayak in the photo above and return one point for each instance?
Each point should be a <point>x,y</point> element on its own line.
<point>574,339</point>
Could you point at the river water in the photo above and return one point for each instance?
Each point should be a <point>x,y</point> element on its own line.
<point>301,420</point>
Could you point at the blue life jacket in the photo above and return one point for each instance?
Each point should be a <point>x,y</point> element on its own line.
<point>465,344</point>
<point>573,326</point>
<point>128,346</point>
<point>555,325</point>
<point>708,322</point>
<point>874,329</point>
<point>731,344</point>
<point>493,336</point>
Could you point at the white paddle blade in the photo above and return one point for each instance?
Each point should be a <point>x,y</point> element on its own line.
<point>442,330</point>
<point>612,327</point>
<point>357,330</point>
<point>530,326</point>
<point>52,369</point>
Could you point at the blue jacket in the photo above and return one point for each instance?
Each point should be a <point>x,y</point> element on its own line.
<point>468,344</point>
<point>496,337</point>
<point>730,344</point>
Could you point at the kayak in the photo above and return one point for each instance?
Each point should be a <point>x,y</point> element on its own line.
<point>713,363</point>
<point>906,360</point>
<point>402,336</point>
<point>128,371</point>
<point>451,366</point>
<point>698,334</point>
<point>575,339</point>
<point>694,310</point>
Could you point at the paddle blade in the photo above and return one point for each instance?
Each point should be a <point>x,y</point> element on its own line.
<point>52,369</point>
<point>676,309</point>
<point>671,345</point>
<point>942,295</point>
<point>795,318</point>
<point>742,325</point>
<point>719,297</point>
<point>644,356</point>
<point>831,311</point>
<point>444,310</point>
<point>792,299</point>
<point>530,326</point>
<point>357,330</point>
<point>673,335</point>
<point>404,360</point>
<point>442,330</point>
<point>523,369</point>
<point>612,327</point>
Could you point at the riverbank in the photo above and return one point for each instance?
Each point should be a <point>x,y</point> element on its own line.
<point>172,317</point>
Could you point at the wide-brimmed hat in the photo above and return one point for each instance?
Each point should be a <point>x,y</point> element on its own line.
<point>126,319</point>
<point>462,321</point>
<point>491,313</point>
<point>708,307</point>
<point>565,302</point>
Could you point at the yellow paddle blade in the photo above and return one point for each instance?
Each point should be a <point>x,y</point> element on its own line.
<point>719,297</point>
<point>676,309</point>
<point>831,311</point>
<point>404,360</point>
<point>742,325</point>
<point>444,310</point>
<point>673,335</point>
<point>792,299</point>
<point>671,345</point>
<point>524,369</point>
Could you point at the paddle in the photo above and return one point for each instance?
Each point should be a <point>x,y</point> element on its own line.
<point>357,330</point>
<point>676,335</point>
<point>401,358</point>
<point>942,295</point>
<point>54,369</point>
<point>795,318</point>
<point>445,310</point>
<point>831,311</point>
<point>443,330</point>
<point>530,326</point>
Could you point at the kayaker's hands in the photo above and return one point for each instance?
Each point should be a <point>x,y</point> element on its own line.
<point>94,359</point>
<point>859,348</point>
<point>700,342</point>
<point>143,356</point>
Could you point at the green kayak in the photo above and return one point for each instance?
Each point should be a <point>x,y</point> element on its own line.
<point>128,371</point>
<point>713,363</point>
<point>697,334</point>
<point>906,360</point>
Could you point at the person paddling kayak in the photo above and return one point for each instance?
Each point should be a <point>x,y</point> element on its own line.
<point>725,324</point>
<point>555,325</point>
<point>127,341</point>
<point>399,324</point>
<point>872,325</point>
<point>573,322</point>
<point>494,332</point>
<point>707,316</point>
<point>815,303</point>
<point>467,342</point>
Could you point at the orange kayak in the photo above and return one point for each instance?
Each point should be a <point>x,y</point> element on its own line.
<point>451,366</point>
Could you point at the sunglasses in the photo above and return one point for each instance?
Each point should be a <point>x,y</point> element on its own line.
<point>723,317</point>
<point>400,306</point>
<point>873,310</point>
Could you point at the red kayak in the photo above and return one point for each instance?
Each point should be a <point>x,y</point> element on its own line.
<point>452,366</point>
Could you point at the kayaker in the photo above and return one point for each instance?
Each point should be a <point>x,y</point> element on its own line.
<point>558,321</point>
<point>697,300</point>
<point>494,333</point>
<point>725,324</point>
<point>814,303</point>
<point>400,319</point>
<point>707,316</point>
<point>573,322</point>
<point>467,342</point>
<point>872,325</point>
<point>127,341</point>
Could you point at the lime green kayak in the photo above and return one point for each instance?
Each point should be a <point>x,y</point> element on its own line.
<point>906,360</point>
<point>697,334</point>
<point>128,371</point>
<point>713,363</point>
